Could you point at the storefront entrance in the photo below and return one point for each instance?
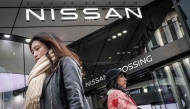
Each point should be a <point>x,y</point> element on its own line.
<point>163,88</point>
<point>166,87</point>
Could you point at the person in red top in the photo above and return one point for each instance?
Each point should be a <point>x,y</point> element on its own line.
<point>116,97</point>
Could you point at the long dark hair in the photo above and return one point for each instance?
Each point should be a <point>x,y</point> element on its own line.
<point>57,45</point>
<point>111,85</point>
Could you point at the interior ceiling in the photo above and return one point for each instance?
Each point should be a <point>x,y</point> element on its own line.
<point>99,55</point>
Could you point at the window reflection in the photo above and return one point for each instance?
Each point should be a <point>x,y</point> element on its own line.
<point>169,31</point>
<point>13,67</point>
<point>169,83</point>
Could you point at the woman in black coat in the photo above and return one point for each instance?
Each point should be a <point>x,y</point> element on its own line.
<point>55,82</point>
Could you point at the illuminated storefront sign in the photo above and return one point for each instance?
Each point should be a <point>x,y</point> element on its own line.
<point>90,14</point>
<point>137,63</point>
<point>95,81</point>
<point>130,66</point>
<point>98,80</point>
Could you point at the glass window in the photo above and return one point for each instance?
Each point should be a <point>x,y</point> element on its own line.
<point>29,62</point>
<point>11,75</point>
<point>185,10</point>
<point>154,42</point>
<point>163,36</point>
<point>173,83</point>
<point>172,29</point>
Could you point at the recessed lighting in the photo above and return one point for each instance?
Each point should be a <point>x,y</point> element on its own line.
<point>124,31</point>
<point>109,39</point>
<point>7,35</point>
<point>159,90</point>
<point>113,37</point>
<point>13,53</point>
<point>119,34</point>
<point>28,40</point>
<point>128,52</point>
<point>118,52</point>
<point>110,58</point>
<point>145,90</point>
<point>123,52</point>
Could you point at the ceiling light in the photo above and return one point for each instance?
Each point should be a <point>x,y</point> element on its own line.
<point>159,89</point>
<point>136,47</point>
<point>128,52</point>
<point>113,37</point>
<point>119,34</point>
<point>13,53</point>
<point>123,52</point>
<point>145,90</point>
<point>167,67</point>
<point>7,36</point>
<point>110,58</point>
<point>125,31</point>
<point>118,52</point>
<point>28,40</point>
<point>109,39</point>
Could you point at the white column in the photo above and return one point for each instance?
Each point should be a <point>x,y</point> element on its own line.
<point>177,28</point>
<point>145,50</point>
<point>171,81</point>
<point>150,45</point>
<point>187,65</point>
<point>181,29</point>
<point>167,32</point>
<point>158,37</point>
<point>182,80</point>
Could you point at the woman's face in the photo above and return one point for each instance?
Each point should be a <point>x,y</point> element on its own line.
<point>122,81</point>
<point>39,49</point>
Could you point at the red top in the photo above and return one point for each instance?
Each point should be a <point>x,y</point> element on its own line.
<point>119,100</point>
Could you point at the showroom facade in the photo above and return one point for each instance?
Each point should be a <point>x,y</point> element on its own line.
<point>154,53</point>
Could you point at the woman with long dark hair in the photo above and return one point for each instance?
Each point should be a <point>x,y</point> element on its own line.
<point>55,82</point>
<point>116,97</point>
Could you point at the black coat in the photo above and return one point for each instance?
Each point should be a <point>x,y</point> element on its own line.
<point>63,89</point>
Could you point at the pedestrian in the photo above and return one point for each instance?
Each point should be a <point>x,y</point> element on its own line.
<point>116,96</point>
<point>55,81</point>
